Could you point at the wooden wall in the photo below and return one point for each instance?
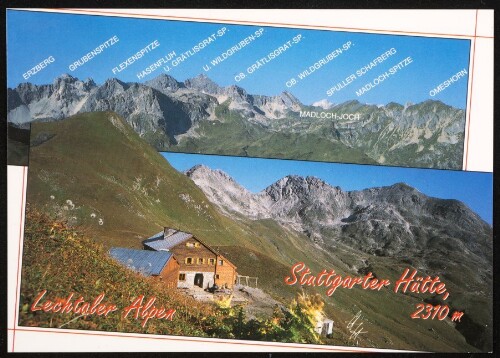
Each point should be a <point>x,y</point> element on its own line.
<point>226,273</point>
<point>170,273</point>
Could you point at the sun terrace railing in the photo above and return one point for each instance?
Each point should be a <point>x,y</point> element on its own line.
<point>246,281</point>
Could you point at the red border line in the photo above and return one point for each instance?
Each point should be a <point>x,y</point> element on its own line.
<point>470,97</point>
<point>18,261</point>
<point>261,23</point>
<point>326,348</point>
<point>232,21</point>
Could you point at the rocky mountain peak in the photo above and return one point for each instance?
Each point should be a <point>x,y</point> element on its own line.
<point>402,187</point>
<point>289,99</point>
<point>201,171</point>
<point>66,83</point>
<point>393,106</point>
<point>236,93</point>
<point>408,104</point>
<point>352,103</point>
<point>431,105</point>
<point>398,193</point>
<point>65,77</point>
<point>316,182</point>
<point>198,169</point>
<point>164,83</point>
<point>89,83</point>
<point>231,197</point>
<point>294,180</point>
<point>70,86</point>
<point>393,109</point>
<point>203,84</point>
<point>115,83</point>
<point>297,186</point>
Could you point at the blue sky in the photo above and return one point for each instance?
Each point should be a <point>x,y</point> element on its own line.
<point>473,188</point>
<point>33,36</point>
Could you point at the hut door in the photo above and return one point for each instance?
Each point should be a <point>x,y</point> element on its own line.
<point>198,280</point>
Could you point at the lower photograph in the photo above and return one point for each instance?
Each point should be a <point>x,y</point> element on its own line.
<point>121,238</point>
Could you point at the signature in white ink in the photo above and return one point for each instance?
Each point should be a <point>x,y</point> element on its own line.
<point>356,330</point>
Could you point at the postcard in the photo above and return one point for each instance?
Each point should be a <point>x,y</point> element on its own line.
<point>248,185</point>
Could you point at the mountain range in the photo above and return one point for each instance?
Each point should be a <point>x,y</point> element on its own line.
<point>396,221</point>
<point>199,116</point>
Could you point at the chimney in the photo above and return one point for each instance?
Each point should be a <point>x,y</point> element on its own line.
<point>167,231</point>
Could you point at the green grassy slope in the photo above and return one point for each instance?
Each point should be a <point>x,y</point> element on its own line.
<point>245,138</point>
<point>101,165</point>
<point>108,173</point>
<point>61,260</point>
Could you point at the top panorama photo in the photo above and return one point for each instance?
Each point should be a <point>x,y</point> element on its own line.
<point>252,91</point>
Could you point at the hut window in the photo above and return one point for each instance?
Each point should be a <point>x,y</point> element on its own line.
<point>190,244</point>
<point>217,276</point>
<point>201,261</point>
<point>211,261</point>
<point>221,262</point>
<point>182,277</point>
<point>196,244</point>
<point>189,260</point>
